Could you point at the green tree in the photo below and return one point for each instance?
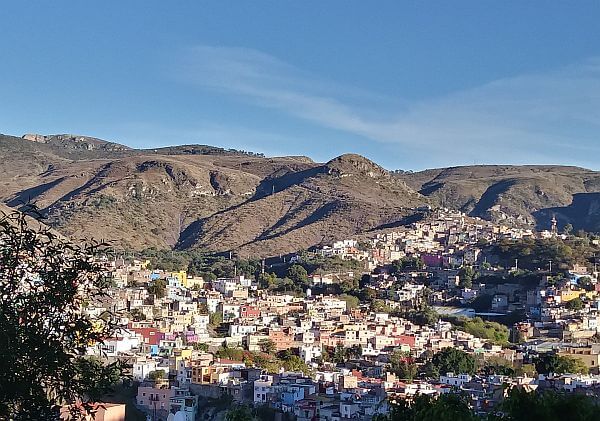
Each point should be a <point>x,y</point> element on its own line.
<point>368,294</point>
<point>267,346</point>
<point>235,354</point>
<point>248,268</point>
<point>158,288</point>
<point>553,363</point>
<point>349,286</point>
<point>574,304</point>
<point>295,364</point>
<point>215,319</point>
<point>339,354</point>
<point>425,316</point>
<point>495,332</point>
<point>402,365</point>
<point>454,360</point>
<point>430,370</point>
<point>200,346</point>
<point>498,365</point>
<point>137,315</point>
<point>351,300</point>
<point>45,282</point>
<point>298,274</point>
<point>521,405</point>
<point>365,279</point>
<point>267,280</point>
<point>466,276</point>
<point>379,306</point>
<point>355,351</point>
<point>585,282</point>
<point>446,407</point>
<point>239,413</point>
<point>568,229</point>
<point>156,375</point>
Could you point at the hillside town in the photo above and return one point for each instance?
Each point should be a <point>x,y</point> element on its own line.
<point>430,308</point>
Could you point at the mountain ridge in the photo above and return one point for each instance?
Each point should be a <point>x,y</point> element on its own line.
<point>200,196</point>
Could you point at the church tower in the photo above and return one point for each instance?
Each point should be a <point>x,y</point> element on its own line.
<point>554,229</point>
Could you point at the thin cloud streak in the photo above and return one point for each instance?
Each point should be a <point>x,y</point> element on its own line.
<point>539,118</point>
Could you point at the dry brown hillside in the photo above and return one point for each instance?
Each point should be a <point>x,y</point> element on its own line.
<point>222,200</point>
<point>522,194</point>
<point>197,196</point>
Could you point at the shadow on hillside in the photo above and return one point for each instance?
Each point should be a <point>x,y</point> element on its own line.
<point>29,195</point>
<point>583,214</point>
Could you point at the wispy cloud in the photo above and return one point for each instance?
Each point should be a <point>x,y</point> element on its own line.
<point>537,118</point>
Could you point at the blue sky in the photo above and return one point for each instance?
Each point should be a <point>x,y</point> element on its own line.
<point>411,85</point>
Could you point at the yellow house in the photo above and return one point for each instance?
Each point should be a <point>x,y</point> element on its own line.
<point>568,295</point>
<point>182,276</point>
<point>178,356</point>
<point>193,281</point>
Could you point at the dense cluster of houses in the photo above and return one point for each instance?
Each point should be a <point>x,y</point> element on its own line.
<point>172,340</point>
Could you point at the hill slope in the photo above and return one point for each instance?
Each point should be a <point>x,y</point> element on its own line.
<point>346,196</point>
<point>519,194</point>
<point>222,200</point>
<point>197,196</point>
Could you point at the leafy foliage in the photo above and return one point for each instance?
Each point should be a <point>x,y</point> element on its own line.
<point>519,405</point>
<point>574,304</point>
<point>424,316</point>
<point>466,275</point>
<point>551,406</point>
<point>267,346</point>
<point>534,254</point>
<point>239,413</point>
<point>495,332</point>
<point>158,288</point>
<point>137,315</point>
<point>351,300</point>
<point>297,274</point>
<point>402,365</point>
<point>558,364</point>
<point>405,263</point>
<point>44,283</point>
<point>453,360</point>
<point>446,407</point>
<point>156,375</point>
